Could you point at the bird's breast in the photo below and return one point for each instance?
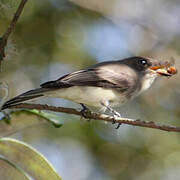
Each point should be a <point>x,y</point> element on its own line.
<point>147,81</point>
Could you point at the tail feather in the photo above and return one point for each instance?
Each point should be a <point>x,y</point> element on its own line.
<point>35,93</point>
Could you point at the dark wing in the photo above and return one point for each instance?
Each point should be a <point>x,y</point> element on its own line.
<point>91,77</point>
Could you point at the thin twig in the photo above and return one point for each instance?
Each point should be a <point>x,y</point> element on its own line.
<point>4,38</point>
<point>97,116</point>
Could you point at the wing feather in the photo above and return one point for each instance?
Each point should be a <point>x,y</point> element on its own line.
<point>90,77</point>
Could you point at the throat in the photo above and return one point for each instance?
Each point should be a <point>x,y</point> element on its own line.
<point>147,81</point>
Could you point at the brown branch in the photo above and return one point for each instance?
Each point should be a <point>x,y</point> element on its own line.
<point>97,116</point>
<point>4,38</point>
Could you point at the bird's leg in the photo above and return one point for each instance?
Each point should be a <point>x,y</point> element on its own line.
<point>85,111</point>
<point>114,112</point>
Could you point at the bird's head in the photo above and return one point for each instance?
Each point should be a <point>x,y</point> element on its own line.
<point>144,66</point>
<point>147,69</point>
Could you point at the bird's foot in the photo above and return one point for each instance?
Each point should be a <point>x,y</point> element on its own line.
<point>117,127</point>
<point>114,113</point>
<point>7,117</point>
<point>85,112</point>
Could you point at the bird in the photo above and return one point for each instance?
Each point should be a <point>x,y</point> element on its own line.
<point>104,85</point>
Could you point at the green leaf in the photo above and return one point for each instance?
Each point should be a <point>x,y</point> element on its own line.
<point>28,159</point>
<point>48,116</point>
<point>22,119</point>
<point>10,171</point>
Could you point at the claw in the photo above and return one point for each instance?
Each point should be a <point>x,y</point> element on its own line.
<point>85,112</point>
<point>7,117</point>
<point>119,124</point>
<point>114,112</point>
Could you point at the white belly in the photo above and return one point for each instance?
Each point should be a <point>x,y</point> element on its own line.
<point>91,96</point>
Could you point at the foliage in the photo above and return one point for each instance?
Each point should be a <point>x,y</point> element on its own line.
<point>25,160</point>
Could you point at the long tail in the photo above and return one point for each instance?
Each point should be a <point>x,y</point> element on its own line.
<point>24,97</point>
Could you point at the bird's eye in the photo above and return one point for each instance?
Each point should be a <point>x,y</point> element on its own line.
<point>143,62</point>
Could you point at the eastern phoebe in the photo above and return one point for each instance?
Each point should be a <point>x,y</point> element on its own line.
<point>103,85</point>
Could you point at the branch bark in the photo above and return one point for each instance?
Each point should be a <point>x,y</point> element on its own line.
<point>97,116</point>
<point>4,38</point>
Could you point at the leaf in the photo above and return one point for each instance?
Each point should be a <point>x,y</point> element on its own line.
<point>10,171</point>
<point>27,159</point>
<point>48,116</point>
<point>22,119</point>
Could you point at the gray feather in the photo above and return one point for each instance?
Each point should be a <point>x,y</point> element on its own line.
<point>35,93</point>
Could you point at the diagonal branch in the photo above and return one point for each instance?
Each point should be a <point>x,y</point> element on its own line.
<point>97,116</point>
<point>4,38</point>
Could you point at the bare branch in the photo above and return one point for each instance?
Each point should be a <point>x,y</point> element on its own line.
<point>4,38</point>
<point>97,116</point>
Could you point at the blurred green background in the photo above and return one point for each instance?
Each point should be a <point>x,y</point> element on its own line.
<point>55,37</point>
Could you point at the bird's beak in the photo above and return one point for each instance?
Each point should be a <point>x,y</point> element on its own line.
<point>163,69</point>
